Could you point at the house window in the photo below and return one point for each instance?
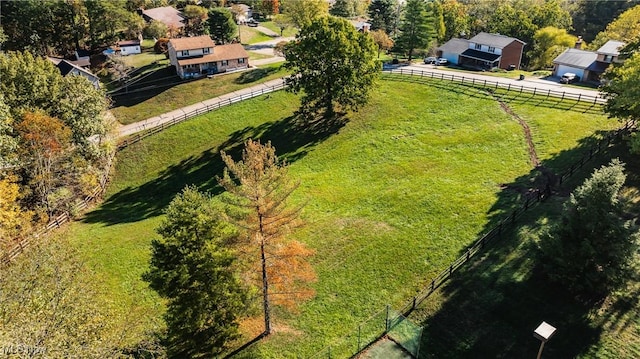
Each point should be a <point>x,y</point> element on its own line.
<point>608,58</point>
<point>241,61</point>
<point>492,49</point>
<point>478,46</point>
<point>205,50</point>
<point>185,52</point>
<point>225,62</point>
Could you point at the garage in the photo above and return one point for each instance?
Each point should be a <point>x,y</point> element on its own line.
<point>562,69</point>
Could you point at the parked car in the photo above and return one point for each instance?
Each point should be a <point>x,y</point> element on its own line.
<point>569,77</point>
<point>442,61</point>
<point>252,23</point>
<point>430,60</point>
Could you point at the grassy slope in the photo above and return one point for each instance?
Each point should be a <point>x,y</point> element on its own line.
<point>188,93</point>
<point>249,35</point>
<point>290,31</point>
<point>391,199</point>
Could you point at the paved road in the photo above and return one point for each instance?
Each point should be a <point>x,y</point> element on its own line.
<point>539,83</point>
<point>156,121</point>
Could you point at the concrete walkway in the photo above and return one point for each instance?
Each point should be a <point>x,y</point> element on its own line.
<point>157,121</point>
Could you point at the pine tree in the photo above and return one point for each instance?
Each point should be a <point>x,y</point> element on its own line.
<point>192,266</point>
<point>416,29</point>
<point>260,189</point>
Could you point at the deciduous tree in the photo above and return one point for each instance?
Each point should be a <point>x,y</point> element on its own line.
<point>302,13</point>
<point>8,140</point>
<point>416,28</point>
<point>45,145</point>
<point>591,250</point>
<point>548,43</point>
<point>382,40</point>
<point>456,19</point>
<point>625,27</point>
<point>14,220</point>
<point>333,64</point>
<point>622,88</point>
<point>155,30</point>
<point>260,189</point>
<point>49,301</point>
<point>192,267</point>
<point>282,21</point>
<point>196,20</point>
<point>222,27</point>
<point>590,17</point>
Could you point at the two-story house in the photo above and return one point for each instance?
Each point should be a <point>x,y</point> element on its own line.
<point>588,65</point>
<point>197,56</point>
<point>484,51</point>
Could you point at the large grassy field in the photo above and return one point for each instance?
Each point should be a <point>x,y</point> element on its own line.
<point>392,197</point>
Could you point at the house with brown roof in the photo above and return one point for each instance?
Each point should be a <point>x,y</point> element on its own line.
<point>197,56</point>
<point>167,15</point>
<point>129,47</point>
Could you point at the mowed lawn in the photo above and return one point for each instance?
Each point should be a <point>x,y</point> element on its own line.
<point>172,93</point>
<point>392,198</point>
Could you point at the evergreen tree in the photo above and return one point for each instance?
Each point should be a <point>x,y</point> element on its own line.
<point>592,249</point>
<point>259,192</point>
<point>192,267</point>
<point>384,15</point>
<point>222,28</point>
<point>416,29</point>
<point>343,8</point>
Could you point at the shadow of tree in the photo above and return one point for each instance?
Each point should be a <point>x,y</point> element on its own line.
<point>292,137</point>
<point>255,75</point>
<point>491,306</point>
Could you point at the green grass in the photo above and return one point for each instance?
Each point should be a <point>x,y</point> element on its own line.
<point>175,93</point>
<point>392,198</point>
<point>249,35</point>
<point>258,56</point>
<point>144,58</point>
<point>288,32</point>
<point>491,307</point>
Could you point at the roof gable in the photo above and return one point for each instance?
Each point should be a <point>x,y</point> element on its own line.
<point>456,46</point>
<point>166,14</point>
<point>188,43</point>
<point>576,58</point>
<point>494,40</point>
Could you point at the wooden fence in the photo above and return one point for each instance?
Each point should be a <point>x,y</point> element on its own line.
<point>472,81</point>
<point>531,199</point>
<point>22,243</point>
<point>163,124</point>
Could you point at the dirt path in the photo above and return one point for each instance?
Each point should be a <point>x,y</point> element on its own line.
<point>533,155</point>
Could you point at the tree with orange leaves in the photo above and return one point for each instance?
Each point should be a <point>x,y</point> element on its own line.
<point>45,144</point>
<point>259,192</point>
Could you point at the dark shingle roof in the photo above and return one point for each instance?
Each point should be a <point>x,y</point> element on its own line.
<point>167,15</point>
<point>494,40</point>
<point>581,59</point>
<point>456,46</point>
<point>480,55</point>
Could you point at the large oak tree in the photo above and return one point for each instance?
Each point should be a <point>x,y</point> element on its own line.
<point>333,65</point>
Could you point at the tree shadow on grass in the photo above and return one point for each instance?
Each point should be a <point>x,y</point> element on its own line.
<point>255,75</point>
<point>492,305</point>
<point>292,138</point>
<point>151,86</point>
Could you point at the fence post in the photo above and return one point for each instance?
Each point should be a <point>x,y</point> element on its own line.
<point>358,339</point>
<point>414,303</point>
<point>579,97</point>
<point>386,321</point>
<point>329,352</point>
<point>534,91</point>
<point>509,87</point>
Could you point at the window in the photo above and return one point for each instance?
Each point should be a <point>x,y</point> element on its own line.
<point>185,52</point>
<point>492,49</point>
<point>478,46</point>
<point>241,61</point>
<point>205,50</point>
<point>608,58</point>
<point>225,62</point>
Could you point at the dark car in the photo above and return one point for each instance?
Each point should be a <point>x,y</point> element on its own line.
<point>252,23</point>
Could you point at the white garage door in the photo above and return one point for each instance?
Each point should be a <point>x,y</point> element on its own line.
<point>562,69</point>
